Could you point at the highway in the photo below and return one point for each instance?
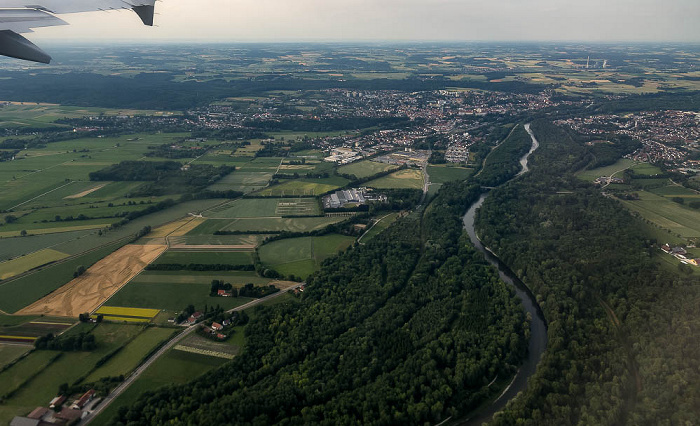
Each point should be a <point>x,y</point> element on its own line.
<point>91,415</point>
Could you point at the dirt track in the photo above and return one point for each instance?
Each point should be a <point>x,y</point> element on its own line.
<point>87,292</point>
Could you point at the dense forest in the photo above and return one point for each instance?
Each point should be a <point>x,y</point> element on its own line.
<point>504,161</point>
<point>622,332</point>
<point>412,327</point>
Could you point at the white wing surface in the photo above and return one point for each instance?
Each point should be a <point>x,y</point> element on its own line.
<point>21,16</point>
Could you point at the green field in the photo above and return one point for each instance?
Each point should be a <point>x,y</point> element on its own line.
<point>302,224</point>
<point>667,214</point>
<point>261,207</point>
<point>593,174</point>
<point>22,264</point>
<point>174,296</point>
<point>66,369</point>
<point>9,353</point>
<point>646,169</point>
<point>242,181</point>
<point>37,173</point>
<point>366,168</point>
<point>383,223</point>
<point>408,178</point>
<point>132,354</point>
<point>205,257</point>
<point>297,187</point>
<point>302,256</point>
<point>21,292</point>
<point>175,367</point>
<point>442,174</point>
<point>224,240</point>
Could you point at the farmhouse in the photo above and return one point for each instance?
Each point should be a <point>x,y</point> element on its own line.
<point>57,402</point>
<point>223,293</point>
<point>216,326</point>
<point>80,403</point>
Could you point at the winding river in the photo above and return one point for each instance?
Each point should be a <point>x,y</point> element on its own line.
<point>538,328</point>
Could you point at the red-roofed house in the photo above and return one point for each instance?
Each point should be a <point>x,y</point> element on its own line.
<point>82,402</point>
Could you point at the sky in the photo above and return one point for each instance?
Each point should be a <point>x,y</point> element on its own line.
<point>392,20</point>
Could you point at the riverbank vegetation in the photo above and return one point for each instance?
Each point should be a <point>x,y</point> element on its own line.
<point>411,327</point>
<point>612,313</point>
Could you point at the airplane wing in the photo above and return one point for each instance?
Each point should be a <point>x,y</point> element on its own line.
<point>21,16</point>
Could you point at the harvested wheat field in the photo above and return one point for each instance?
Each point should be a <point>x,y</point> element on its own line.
<point>177,228</point>
<point>87,292</point>
<point>84,193</point>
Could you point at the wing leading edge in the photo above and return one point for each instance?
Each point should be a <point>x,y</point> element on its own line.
<point>17,17</point>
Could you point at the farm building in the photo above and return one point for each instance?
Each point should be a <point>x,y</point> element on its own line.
<point>81,402</point>
<point>357,196</point>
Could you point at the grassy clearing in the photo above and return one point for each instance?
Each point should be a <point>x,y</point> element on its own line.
<point>646,169</point>
<point>133,354</point>
<point>593,174</point>
<point>173,296</point>
<point>16,294</point>
<point>17,266</point>
<point>384,223</point>
<point>206,257</point>
<point>302,224</point>
<point>51,228</point>
<point>175,367</point>
<point>366,168</point>
<point>243,181</point>
<point>667,214</point>
<point>260,207</point>
<point>297,187</point>
<point>442,174</point>
<point>408,178</point>
<point>9,353</point>
<point>193,241</point>
<point>302,256</point>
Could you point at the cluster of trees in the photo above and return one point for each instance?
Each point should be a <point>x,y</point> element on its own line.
<point>165,177</point>
<point>72,342</point>
<point>198,267</point>
<point>407,329</point>
<point>174,152</point>
<point>504,161</point>
<point>613,314</point>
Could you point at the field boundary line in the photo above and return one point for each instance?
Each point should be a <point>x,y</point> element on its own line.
<point>127,282</point>
<point>58,262</point>
<point>373,225</point>
<point>41,195</point>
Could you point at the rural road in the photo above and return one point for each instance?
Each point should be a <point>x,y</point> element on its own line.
<point>143,367</point>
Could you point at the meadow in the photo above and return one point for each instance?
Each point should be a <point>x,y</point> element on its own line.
<point>261,207</point>
<point>408,178</point>
<point>302,224</point>
<point>11,268</point>
<point>174,296</point>
<point>300,187</point>
<point>131,356</point>
<point>302,256</point>
<point>365,168</point>
<point>243,181</point>
<point>442,174</point>
<point>382,223</point>
<point>593,174</point>
<point>9,353</point>
<point>175,367</point>
<point>208,257</point>
<point>667,214</point>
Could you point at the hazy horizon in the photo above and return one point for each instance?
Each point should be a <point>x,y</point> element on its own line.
<point>357,21</point>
